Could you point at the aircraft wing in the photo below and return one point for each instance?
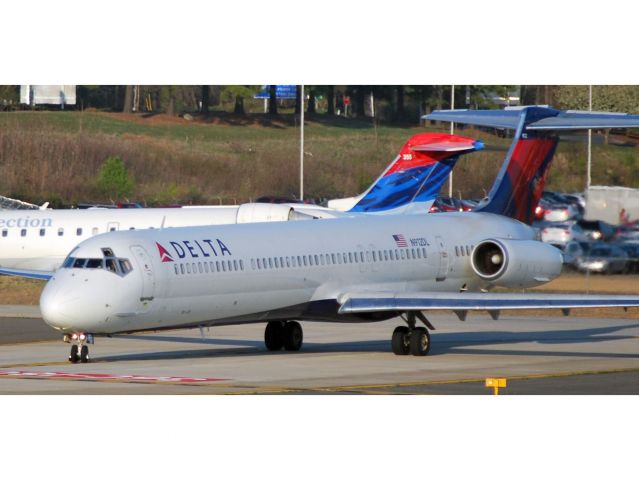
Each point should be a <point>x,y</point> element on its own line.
<point>466,301</point>
<point>18,272</point>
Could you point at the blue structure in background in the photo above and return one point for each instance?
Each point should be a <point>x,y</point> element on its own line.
<point>281,92</point>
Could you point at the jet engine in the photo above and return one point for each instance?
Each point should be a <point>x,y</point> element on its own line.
<point>516,263</point>
<point>268,212</point>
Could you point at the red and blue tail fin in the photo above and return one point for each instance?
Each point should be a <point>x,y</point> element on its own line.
<point>520,182</point>
<point>417,174</point>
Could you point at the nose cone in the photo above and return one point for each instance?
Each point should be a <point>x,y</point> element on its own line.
<point>70,309</point>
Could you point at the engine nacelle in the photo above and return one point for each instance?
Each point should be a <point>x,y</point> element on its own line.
<point>268,212</point>
<point>516,263</point>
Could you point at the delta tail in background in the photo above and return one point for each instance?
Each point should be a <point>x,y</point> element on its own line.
<point>358,269</point>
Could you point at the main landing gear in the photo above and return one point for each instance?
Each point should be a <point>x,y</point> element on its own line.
<point>280,334</point>
<point>412,339</point>
<point>79,348</point>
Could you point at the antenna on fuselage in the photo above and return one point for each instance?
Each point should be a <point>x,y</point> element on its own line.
<point>162,224</point>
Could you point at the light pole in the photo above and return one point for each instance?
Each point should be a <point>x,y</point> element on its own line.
<point>452,131</point>
<point>588,171</point>
<point>302,144</point>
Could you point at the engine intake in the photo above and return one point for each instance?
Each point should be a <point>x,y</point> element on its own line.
<point>516,263</point>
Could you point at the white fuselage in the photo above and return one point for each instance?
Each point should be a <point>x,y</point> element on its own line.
<point>225,274</point>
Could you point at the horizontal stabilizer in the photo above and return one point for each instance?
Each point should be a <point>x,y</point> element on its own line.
<point>35,274</point>
<point>384,302</point>
<point>550,118</point>
<point>448,147</point>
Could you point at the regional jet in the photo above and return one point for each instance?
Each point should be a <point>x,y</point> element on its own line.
<point>33,243</point>
<point>359,269</point>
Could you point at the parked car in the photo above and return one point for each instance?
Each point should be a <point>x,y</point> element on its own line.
<point>603,258</point>
<point>576,249</point>
<point>446,204</point>
<point>597,229</point>
<point>632,250</point>
<point>559,234</point>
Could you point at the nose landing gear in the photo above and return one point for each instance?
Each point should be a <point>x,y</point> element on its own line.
<point>412,339</point>
<point>280,334</point>
<point>79,348</point>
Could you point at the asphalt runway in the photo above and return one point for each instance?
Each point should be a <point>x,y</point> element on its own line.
<point>537,355</point>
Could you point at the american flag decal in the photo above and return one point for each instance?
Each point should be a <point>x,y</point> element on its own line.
<point>400,240</point>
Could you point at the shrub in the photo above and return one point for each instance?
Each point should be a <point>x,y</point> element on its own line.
<point>114,180</point>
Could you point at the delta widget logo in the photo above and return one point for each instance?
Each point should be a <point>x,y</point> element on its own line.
<point>164,255</point>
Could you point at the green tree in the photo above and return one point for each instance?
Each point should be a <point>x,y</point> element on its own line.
<point>239,93</point>
<point>114,180</point>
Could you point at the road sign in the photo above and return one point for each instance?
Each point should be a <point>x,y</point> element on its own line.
<point>281,92</point>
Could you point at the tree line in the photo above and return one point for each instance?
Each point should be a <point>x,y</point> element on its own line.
<point>393,103</point>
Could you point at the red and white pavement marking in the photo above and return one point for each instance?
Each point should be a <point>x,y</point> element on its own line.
<point>104,377</point>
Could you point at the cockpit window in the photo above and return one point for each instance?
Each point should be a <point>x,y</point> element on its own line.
<point>119,266</point>
<point>93,263</point>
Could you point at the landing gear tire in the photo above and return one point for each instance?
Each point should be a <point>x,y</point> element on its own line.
<point>400,341</point>
<point>274,336</point>
<point>293,336</point>
<point>419,342</point>
<point>84,354</point>
<point>73,356</point>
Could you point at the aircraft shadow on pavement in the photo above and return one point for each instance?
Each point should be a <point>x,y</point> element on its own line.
<point>442,343</point>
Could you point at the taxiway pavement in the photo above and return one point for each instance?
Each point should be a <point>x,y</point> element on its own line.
<point>540,355</point>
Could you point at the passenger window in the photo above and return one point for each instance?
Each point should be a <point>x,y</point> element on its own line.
<point>182,268</point>
<point>176,268</point>
<point>252,264</point>
<point>419,253</point>
<point>112,229</point>
<point>60,231</point>
<point>361,257</point>
<point>339,259</point>
<point>321,259</point>
<point>456,251</point>
<point>212,266</point>
<point>188,268</point>
<point>223,266</point>
<point>333,258</point>
<point>345,257</point>
<point>462,251</point>
<point>23,232</point>
<point>234,265</point>
<point>424,252</point>
<point>194,267</point>
<point>316,260</point>
<point>5,232</point>
<point>468,250</point>
<point>386,255</point>
<point>131,228</point>
<point>259,264</point>
<point>206,267</point>
<point>293,262</point>
<point>241,265</point>
<point>414,253</point>
<point>277,263</point>
<point>288,262</point>
<point>270,263</point>
<point>199,267</point>
<point>78,231</point>
<point>42,232</point>
<point>350,257</point>
<point>304,258</point>
<point>396,254</point>
<point>374,256</point>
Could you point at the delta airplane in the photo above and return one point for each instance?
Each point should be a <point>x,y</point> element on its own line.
<point>359,269</point>
<point>35,242</point>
